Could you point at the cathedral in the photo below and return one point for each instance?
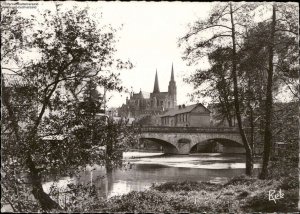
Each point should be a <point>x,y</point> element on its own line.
<point>144,103</point>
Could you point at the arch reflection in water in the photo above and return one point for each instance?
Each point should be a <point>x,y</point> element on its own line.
<point>218,145</point>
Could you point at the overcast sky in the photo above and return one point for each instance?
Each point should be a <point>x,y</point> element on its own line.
<point>149,39</point>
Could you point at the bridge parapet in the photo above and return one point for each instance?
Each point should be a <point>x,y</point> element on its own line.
<point>168,129</point>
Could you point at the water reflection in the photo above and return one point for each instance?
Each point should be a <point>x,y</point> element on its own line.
<point>145,170</point>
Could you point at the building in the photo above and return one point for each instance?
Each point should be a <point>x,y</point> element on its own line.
<point>154,103</point>
<point>195,115</point>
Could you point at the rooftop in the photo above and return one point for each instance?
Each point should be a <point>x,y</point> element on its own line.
<point>141,94</point>
<point>181,109</point>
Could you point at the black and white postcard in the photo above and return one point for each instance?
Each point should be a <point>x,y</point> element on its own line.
<point>149,107</point>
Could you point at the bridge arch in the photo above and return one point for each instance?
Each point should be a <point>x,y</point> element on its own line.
<point>184,138</point>
<point>224,145</point>
<point>167,146</point>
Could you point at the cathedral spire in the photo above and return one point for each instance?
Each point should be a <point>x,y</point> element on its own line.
<point>172,73</point>
<point>156,86</point>
<point>172,88</point>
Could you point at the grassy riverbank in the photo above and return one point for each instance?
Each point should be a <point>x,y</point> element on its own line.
<point>240,194</point>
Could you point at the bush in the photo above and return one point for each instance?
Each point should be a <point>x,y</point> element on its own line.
<point>243,194</point>
<point>241,180</point>
<point>139,202</point>
<point>261,203</point>
<point>290,182</point>
<point>240,194</point>
<point>187,186</point>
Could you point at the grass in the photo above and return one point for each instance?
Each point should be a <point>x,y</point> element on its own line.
<point>240,194</point>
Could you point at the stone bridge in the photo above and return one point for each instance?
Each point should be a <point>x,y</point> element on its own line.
<point>180,140</point>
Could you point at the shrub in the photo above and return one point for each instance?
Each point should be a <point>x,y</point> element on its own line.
<point>187,186</point>
<point>243,194</point>
<point>139,202</point>
<point>290,182</point>
<point>241,180</point>
<point>261,203</point>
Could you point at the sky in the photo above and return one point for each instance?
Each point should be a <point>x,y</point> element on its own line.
<point>149,39</point>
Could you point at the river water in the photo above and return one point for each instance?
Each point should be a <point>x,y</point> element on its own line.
<point>141,170</point>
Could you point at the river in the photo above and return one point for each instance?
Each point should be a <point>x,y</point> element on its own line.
<point>141,170</point>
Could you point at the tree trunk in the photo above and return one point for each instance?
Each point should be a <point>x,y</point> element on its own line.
<point>252,130</point>
<point>249,158</point>
<point>251,118</point>
<point>269,104</point>
<point>109,152</point>
<point>43,198</point>
<point>37,190</point>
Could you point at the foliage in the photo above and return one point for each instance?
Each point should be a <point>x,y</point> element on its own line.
<point>15,191</point>
<point>241,194</point>
<point>117,137</point>
<point>146,120</point>
<point>252,62</point>
<point>290,182</point>
<point>41,97</point>
<point>74,198</point>
<point>241,180</point>
<point>218,84</point>
<point>260,203</point>
<point>284,163</point>
<point>138,202</point>
<point>224,29</point>
<point>187,186</point>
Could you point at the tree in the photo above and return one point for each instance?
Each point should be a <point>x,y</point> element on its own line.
<point>218,84</point>
<point>253,58</point>
<point>269,100</point>
<point>255,64</point>
<point>222,26</point>
<point>92,100</point>
<point>269,97</point>
<point>117,137</point>
<point>70,49</point>
<point>257,50</point>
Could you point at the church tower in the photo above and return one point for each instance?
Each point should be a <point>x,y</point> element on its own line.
<point>172,90</point>
<point>156,86</point>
